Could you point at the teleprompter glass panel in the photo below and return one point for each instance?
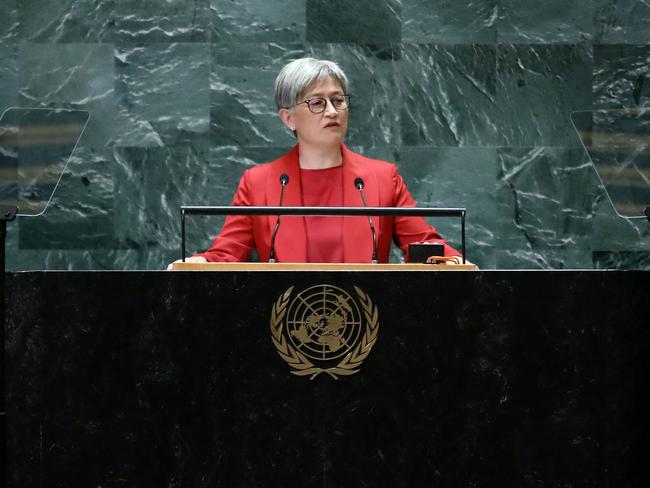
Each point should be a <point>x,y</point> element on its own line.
<point>618,145</point>
<point>35,147</point>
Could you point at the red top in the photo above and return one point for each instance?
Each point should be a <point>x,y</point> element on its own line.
<point>323,188</point>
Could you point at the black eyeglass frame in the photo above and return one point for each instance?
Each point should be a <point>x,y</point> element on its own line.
<point>309,100</point>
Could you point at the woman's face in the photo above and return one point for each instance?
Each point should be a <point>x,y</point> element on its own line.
<point>326,128</point>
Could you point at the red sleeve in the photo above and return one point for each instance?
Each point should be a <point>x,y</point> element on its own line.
<point>235,241</point>
<point>407,230</point>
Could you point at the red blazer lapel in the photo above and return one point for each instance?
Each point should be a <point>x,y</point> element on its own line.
<point>291,240</point>
<point>357,237</point>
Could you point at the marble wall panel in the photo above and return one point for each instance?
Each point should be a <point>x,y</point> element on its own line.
<point>281,21</point>
<point>357,21</point>
<point>449,22</point>
<point>150,185</point>
<point>163,93</point>
<point>77,76</point>
<point>545,198</point>
<point>242,107</point>
<point>448,95</point>
<point>457,177</point>
<point>8,76</point>
<point>621,76</point>
<point>612,232</point>
<point>538,88</point>
<point>73,21</point>
<point>9,22</point>
<point>67,21</point>
<point>549,22</point>
<point>161,21</point>
<point>621,21</point>
<point>622,260</point>
<point>80,214</point>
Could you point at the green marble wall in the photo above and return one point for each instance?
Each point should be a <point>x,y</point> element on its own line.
<point>471,99</point>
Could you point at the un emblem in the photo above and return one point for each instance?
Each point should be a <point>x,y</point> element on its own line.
<point>324,329</point>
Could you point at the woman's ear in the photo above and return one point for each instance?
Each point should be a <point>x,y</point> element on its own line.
<point>286,116</point>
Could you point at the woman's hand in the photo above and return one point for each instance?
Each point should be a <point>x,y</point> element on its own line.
<point>459,260</point>
<point>191,259</point>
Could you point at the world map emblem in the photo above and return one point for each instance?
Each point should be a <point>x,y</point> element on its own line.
<point>324,329</point>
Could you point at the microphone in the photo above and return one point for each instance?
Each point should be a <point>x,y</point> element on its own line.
<point>284,179</point>
<point>358,184</point>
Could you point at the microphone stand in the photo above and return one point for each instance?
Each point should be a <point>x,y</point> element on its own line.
<point>284,179</point>
<point>7,214</point>
<point>358,183</point>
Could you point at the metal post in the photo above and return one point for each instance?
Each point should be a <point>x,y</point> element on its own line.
<point>7,214</point>
<point>183,234</point>
<point>462,235</point>
<point>3,413</point>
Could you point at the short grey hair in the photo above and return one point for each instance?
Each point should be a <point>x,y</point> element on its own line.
<point>296,76</point>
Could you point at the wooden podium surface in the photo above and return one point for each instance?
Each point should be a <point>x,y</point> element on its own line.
<point>161,379</point>
<point>320,267</point>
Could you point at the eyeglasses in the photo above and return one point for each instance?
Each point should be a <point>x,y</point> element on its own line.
<point>318,105</point>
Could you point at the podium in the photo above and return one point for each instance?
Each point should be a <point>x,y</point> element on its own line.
<point>487,378</point>
<point>187,266</point>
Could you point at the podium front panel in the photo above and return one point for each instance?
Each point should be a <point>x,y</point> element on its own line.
<point>146,379</point>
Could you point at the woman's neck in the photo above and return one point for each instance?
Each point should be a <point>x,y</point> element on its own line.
<point>319,157</point>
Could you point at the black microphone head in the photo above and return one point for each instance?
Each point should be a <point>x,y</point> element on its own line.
<point>284,179</point>
<point>358,183</point>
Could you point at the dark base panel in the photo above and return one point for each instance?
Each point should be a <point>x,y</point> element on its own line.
<point>171,379</point>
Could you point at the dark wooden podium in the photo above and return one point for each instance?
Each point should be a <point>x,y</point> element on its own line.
<point>172,379</point>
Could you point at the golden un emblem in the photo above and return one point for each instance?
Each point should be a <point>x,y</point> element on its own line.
<point>324,329</point>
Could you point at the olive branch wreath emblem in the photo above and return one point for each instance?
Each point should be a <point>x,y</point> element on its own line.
<point>301,365</point>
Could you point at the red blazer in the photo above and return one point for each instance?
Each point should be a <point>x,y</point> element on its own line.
<point>260,185</point>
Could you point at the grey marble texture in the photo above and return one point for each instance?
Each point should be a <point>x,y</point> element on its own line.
<point>9,21</point>
<point>544,205</point>
<point>163,178</point>
<point>71,76</point>
<point>614,233</point>
<point>549,22</point>
<point>621,76</point>
<point>161,21</point>
<point>86,188</point>
<point>8,77</point>
<point>538,88</point>
<point>449,21</point>
<point>356,21</point>
<point>471,100</point>
<point>163,94</point>
<point>621,21</point>
<point>258,21</point>
<point>449,95</point>
<point>66,21</point>
<point>457,177</point>
<point>74,21</point>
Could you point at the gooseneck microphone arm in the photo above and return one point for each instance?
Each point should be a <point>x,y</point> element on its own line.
<point>358,184</point>
<point>284,179</point>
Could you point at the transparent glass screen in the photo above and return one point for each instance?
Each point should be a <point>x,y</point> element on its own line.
<point>35,147</point>
<point>618,144</point>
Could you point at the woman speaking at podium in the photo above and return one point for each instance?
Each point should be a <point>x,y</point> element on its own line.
<point>313,102</point>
